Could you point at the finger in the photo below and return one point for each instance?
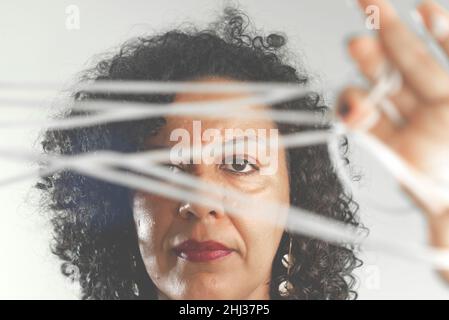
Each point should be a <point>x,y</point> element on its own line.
<point>409,54</point>
<point>368,55</point>
<point>356,111</point>
<point>370,58</point>
<point>436,19</point>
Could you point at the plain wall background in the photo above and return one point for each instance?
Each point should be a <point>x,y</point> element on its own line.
<point>36,46</point>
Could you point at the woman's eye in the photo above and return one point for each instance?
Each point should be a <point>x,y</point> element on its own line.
<point>240,165</point>
<point>173,168</point>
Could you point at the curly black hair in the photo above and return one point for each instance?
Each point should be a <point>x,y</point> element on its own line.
<point>94,232</point>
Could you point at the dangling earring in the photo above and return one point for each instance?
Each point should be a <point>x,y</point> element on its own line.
<point>285,287</point>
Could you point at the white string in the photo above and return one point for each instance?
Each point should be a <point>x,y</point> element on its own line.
<point>389,83</point>
<point>147,87</point>
<point>126,111</point>
<point>303,222</point>
<point>300,221</point>
<point>56,162</point>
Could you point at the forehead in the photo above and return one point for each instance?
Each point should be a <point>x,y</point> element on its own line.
<point>233,121</point>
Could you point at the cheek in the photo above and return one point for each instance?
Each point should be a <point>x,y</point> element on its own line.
<point>274,192</point>
<point>261,240</point>
<point>152,219</point>
<point>262,235</point>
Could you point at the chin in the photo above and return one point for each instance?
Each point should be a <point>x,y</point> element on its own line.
<point>209,287</point>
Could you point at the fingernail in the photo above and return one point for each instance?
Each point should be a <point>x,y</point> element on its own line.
<point>439,26</point>
<point>343,110</point>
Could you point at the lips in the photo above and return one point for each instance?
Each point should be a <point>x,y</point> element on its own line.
<point>204,251</point>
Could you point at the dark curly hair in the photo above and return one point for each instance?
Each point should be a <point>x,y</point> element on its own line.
<point>94,233</point>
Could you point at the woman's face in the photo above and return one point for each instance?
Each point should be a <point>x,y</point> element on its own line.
<point>193,251</point>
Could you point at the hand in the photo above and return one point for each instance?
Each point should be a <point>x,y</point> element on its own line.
<point>422,140</point>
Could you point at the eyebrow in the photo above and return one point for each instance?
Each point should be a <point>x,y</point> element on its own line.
<point>225,144</point>
<point>252,138</point>
<point>237,138</point>
<point>158,147</point>
<point>232,141</point>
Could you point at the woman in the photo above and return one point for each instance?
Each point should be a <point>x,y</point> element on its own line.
<point>129,244</point>
<point>122,241</point>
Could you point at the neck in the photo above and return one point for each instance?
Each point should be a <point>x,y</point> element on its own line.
<point>262,292</point>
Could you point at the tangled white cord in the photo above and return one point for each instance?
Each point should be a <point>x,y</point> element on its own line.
<point>104,164</point>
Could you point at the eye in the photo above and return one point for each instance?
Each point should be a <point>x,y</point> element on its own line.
<point>173,167</point>
<point>240,165</point>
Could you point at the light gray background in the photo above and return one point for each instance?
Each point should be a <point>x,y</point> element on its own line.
<point>36,46</point>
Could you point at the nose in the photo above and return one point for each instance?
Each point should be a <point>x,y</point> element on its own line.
<point>190,210</point>
<point>214,206</point>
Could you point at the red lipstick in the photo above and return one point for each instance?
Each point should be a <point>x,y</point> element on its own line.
<point>196,251</point>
